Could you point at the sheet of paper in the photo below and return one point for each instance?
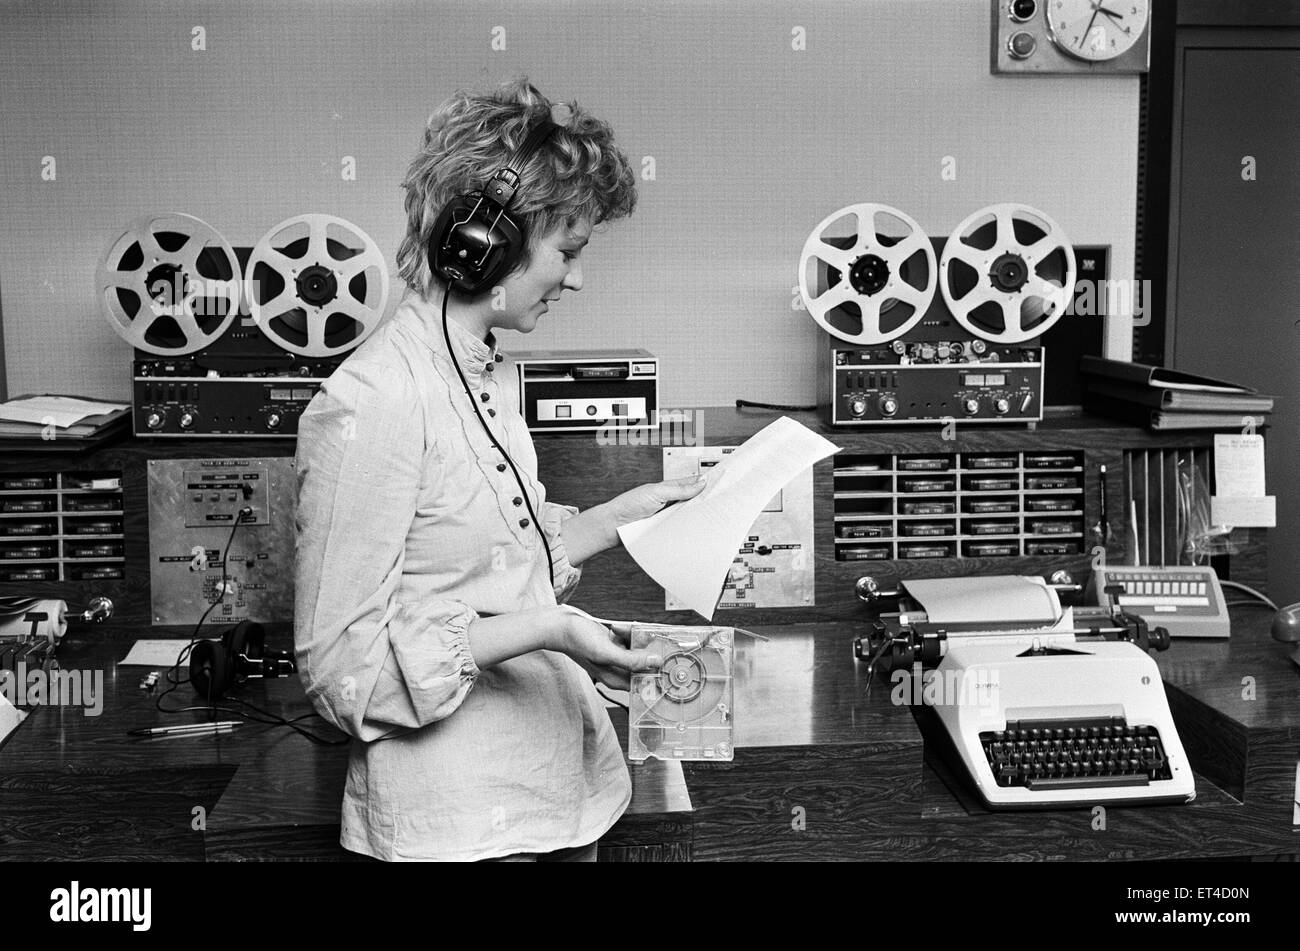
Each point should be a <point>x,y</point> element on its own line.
<point>153,653</point>
<point>1244,513</point>
<point>60,411</point>
<point>689,547</point>
<point>998,599</point>
<point>1239,466</point>
<point>10,716</point>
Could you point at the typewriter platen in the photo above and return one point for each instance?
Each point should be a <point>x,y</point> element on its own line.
<point>1047,707</point>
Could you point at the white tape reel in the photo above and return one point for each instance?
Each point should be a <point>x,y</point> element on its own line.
<point>169,284</point>
<point>1007,273</point>
<point>317,285</point>
<point>867,273</point>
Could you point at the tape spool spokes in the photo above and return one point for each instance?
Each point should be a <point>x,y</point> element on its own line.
<point>867,273</point>
<point>1007,273</point>
<point>317,285</point>
<point>169,284</point>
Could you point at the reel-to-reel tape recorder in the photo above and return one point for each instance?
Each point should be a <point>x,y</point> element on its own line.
<point>236,342</point>
<point>935,329</point>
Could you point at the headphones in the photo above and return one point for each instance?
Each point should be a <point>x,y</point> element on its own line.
<point>475,240</point>
<point>217,666</point>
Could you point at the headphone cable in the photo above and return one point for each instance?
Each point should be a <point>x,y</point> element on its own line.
<point>173,675</point>
<point>550,563</point>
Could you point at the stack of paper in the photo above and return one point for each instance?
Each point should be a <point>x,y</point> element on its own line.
<point>60,417</point>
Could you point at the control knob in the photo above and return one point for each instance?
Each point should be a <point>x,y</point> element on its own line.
<point>1000,406</point>
<point>888,406</point>
<point>858,406</point>
<point>187,420</point>
<point>272,420</point>
<point>971,406</point>
<point>154,420</point>
<point>1021,45</point>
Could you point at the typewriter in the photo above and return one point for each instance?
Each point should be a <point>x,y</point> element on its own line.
<point>1046,707</point>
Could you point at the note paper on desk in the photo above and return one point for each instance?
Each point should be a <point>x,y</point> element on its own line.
<point>154,653</point>
<point>689,547</point>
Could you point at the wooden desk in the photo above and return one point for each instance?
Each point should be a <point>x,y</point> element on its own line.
<point>823,770</point>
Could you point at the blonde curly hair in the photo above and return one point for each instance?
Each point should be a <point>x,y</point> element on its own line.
<point>578,174</point>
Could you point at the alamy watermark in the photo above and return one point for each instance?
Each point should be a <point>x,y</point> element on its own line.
<point>676,428</point>
<point>977,687</point>
<point>54,688</point>
<point>1097,298</point>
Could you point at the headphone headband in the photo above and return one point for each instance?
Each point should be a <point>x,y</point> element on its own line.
<point>501,187</point>
<point>475,240</point>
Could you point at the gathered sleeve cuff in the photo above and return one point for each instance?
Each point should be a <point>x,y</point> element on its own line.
<point>566,576</point>
<point>428,670</point>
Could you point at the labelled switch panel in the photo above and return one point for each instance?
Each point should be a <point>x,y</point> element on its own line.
<point>774,566</point>
<point>221,537</point>
<point>216,496</point>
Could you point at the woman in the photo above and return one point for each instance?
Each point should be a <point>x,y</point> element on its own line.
<point>427,616</point>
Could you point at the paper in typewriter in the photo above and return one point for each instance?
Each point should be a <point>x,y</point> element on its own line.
<point>689,547</point>
<point>1000,599</point>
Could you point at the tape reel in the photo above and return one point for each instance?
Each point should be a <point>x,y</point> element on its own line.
<point>867,273</point>
<point>682,710</point>
<point>169,284</point>
<point>1007,273</point>
<point>317,285</point>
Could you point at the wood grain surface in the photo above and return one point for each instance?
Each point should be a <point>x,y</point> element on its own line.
<point>823,769</point>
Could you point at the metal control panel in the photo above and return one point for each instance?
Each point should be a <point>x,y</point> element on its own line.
<point>198,507</point>
<point>938,382</point>
<point>774,566</point>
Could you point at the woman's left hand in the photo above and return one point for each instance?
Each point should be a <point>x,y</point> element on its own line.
<point>645,500</point>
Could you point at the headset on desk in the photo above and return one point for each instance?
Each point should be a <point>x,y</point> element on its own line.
<point>217,665</point>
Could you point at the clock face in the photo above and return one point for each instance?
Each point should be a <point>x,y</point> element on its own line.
<point>1096,30</point>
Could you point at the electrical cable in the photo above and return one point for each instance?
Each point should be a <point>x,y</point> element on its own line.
<point>550,563</point>
<point>173,675</point>
<point>749,404</point>
<point>1257,595</point>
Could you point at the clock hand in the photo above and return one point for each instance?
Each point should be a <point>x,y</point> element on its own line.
<point>1088,29</point>
<point>1110,13</point>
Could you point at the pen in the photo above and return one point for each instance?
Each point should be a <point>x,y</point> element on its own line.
<point>221,725</point>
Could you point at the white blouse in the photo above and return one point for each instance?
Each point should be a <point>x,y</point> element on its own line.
<point>410,525</point>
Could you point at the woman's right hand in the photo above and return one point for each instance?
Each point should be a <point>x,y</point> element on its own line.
<point>599,651</point>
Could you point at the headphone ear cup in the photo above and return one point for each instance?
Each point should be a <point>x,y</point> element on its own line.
<point>473,244</point>
<point>254,640</point>
<point>210,669</point>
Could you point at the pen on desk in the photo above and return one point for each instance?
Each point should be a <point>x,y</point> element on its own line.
<point>223,726</point>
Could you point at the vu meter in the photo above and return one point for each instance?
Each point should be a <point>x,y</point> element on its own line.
<point>1096,30</point>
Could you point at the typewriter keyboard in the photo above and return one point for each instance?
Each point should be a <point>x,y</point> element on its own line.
<point>1075,754</point>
